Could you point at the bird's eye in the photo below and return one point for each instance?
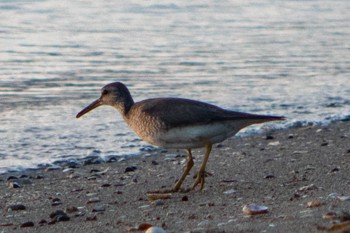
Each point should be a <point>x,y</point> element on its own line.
<point>104,92</point>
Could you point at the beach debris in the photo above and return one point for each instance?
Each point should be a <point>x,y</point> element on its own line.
<point>314,203</point>
<point>130,169</point>
<point>15,207</point>
<point>98,172</point>
<point>56,201</point>
<point>254,209</point>
<point>14,185</point>
<point>275,143</point>
<point>343,198</point>
<point>230,191</point>
<point>308,188</point>
<point>27,224</point>
<point>157,196</point>
<point>330,216</point>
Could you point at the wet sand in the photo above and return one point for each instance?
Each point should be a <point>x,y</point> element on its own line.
<point>283,170</point>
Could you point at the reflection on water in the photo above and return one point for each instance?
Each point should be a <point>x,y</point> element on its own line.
<point>287,57</point>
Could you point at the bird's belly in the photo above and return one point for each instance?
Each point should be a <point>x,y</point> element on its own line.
<point>192,136</point>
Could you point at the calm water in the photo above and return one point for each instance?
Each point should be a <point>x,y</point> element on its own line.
<point>283,57</point>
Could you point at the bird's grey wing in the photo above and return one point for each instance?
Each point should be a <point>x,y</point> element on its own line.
<point>182,112</point>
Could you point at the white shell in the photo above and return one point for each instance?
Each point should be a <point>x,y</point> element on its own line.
<point>155,230</point>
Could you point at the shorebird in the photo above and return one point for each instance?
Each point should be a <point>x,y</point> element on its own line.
<point>177,123</point>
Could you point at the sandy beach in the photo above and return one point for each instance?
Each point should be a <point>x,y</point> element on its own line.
<point>301,175</point>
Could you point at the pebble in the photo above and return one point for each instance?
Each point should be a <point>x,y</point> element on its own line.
<point>72,209</point>
<point>27,224</point>
<point>253,209</point>
<point>155,230</point>
<point>269,137</point>
<point>230,191</point>
<point>93,200</point>
<point>56,201</point>
<point>58,216</point>
<point>312,204</point>
<point>130,169</point>
<point>16,207</point>
<point>100,208</point>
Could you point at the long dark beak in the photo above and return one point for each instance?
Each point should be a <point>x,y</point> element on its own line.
<point>92,106</point>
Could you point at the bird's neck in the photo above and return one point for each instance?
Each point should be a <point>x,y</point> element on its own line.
<point>124,107</point>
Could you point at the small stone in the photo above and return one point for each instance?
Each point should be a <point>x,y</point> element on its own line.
<point>16,207</point>
<point>94,218</point>
<point>93,200</point>
<point>27,224</point>
<point>56,201</point>
<point>324,143</point>
<point>158,203</point>
<point>336,169</point>
<point>105,185</point>
<point>312,204</point>
<point>71,209</point>
<point>253,209</point>
<point>184,198</point>
<point>155,230</point>
<point>57,213</point>
<point>130,169</point>
<point>330,216</point>
<point>154,162</point>
<point>12,178</point>
<point>275,143</point>
<point>269,137</point>
<point>230,191</point>
<point>269,176</point>
<point>62,218</point>
<point>100,208</point>
<point>42,222</point>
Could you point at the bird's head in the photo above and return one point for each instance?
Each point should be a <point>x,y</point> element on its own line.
<point>114,94</point>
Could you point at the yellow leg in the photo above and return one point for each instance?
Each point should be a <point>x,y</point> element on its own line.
<point>201,171</point>
<point>187,170</point>
<point>178,184</point>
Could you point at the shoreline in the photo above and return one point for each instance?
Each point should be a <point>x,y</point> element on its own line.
<point>283,171</point>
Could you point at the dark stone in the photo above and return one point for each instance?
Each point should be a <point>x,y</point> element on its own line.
<point>27,224</point>
<point>130,169</point>
<point>12,178</point>
<point>184,198</point>
<point>154,162</point>
<point>56,213</point>
<point>269,137</point>
<point>16,207</point>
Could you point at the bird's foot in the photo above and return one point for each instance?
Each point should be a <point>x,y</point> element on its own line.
<point>200,179</point>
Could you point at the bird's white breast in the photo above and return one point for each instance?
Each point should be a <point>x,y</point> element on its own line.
<point>193,136</point>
